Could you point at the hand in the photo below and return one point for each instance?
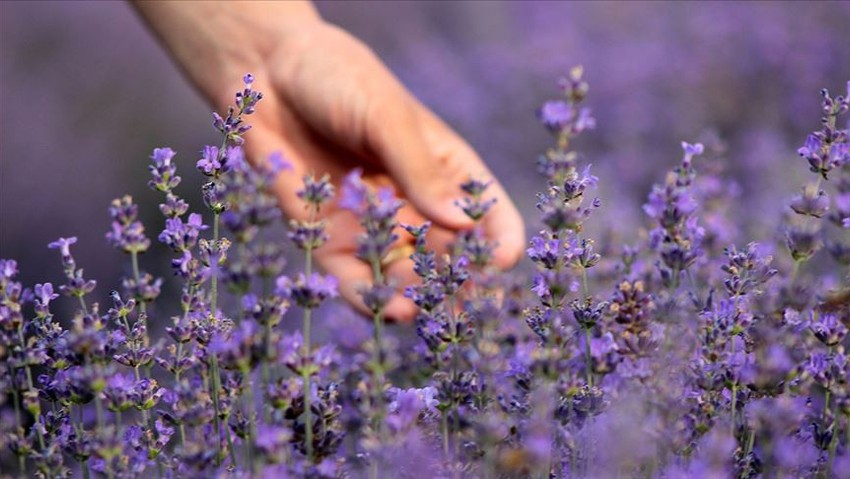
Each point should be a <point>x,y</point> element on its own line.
<point>330,105</point>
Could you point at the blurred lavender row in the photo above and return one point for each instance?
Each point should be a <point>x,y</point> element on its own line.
<point>680,349</point>
<point>87,94</point>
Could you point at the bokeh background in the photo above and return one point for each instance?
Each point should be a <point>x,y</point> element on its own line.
<point>86,93</point>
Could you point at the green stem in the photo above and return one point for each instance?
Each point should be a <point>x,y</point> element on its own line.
<point>377,360</point>
<point>826,401</point>
<point>445,429</point>
<point>306,379</point>
<point>450,303</point>
<point>216,387</point>
<point>80,429</point>
<point>734,391</point>
<point>456,443</point>
<point>833,442</point>
<point>555,455</point>
<point>585,290</point>
<point>589,360</point>
<point>305,373</point>
<point>214,278</point>
<point>138,378</point>
<point>178,358</point>
<point>83,304</point>
<point>751,440</point>
<point>215,397</point>
<point>230,450</point>
<point>98,405</point>
<point>134,258</point>
<point>265,369</point>
<point>152,427</point>
<point>794,271</point>
<point>30,386</point>
<point>847,432</point>
<point>265,375</point>
<point>573,461</point>
<point>252,427</point>
<point>16,399</point>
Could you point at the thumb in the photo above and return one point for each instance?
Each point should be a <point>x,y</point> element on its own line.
<point>430,182</point>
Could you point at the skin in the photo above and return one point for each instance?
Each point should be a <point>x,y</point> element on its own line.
<point>331,105</point>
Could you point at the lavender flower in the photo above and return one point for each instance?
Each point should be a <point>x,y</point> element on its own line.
<point>377,211</point>
<point>681,355</point>
<point>127,232</point>
<point>308,291</point>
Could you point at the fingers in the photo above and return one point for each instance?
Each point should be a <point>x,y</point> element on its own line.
<point>429,161</point>
<point>337,257</point>
<point>394,133</point>
<point>353,275</point>
<point>400,275</point>
<point>503,224</point>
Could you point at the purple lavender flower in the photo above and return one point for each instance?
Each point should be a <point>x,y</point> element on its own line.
<point>210,162</point>
<point>354,192</point>
<point>77,285</point>
<point>272,441</point>
<point>586,313</point>
<point>811,202</point>
<point>173,206</point>
<point>248,98</point>
<point>308,291</point>
<point>118,392</point>
<point>180,236</point>
<point>841,214</point>
<point>677,236</point>
<point>242,348</point>
<point>406,405</point>
<point>9,267</point>
<point>163,171</point>
<point>827,327</point>
<point>43,296</point>
<point>377,212</point>
<point>827,149</point>
<point>127,232</point>
<point>63,245</point>
<point>691,150</point>
<point>727,371</point>
<point>307,235</point>
<point>376,297</point>
<point>748,270</point>
<point>145,394</point>
<point>316,191</point>
<point>555,114</point>
<point>474,205</point>
<point>803,240</point>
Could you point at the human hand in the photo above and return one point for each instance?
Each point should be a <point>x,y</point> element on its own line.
<point>330,105</point>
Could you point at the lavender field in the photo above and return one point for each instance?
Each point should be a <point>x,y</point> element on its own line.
<point>681,310</point>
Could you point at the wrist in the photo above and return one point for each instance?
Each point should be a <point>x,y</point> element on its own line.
<point>216,43</point>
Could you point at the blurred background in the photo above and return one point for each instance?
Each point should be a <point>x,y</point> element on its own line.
<point>86,93</point>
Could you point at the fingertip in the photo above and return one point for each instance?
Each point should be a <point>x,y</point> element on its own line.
<point>442,209</point>
<point>508,252</point>
<point>401,309</point>
<point>505,226</point>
